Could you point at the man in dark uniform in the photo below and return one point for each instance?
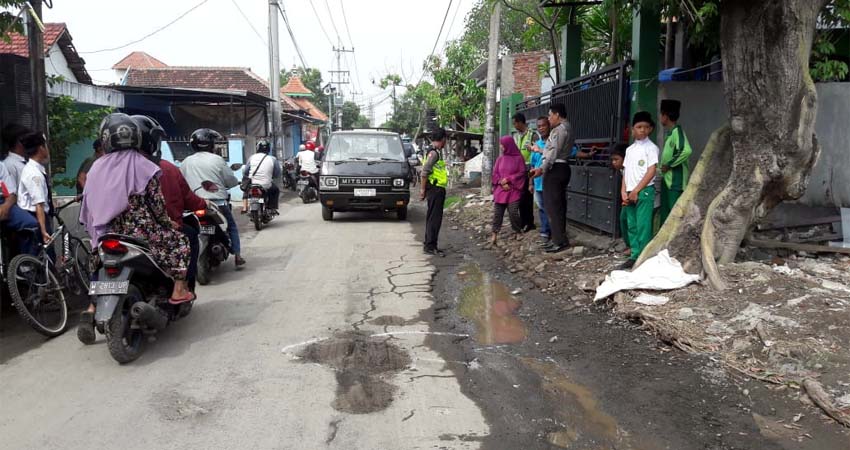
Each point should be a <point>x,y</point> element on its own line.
<point>435,178</point>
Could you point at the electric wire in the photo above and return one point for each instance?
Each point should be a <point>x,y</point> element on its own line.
<point>333,23</point>
<point>292,35</point>
<point>351,41</point>
<point>201,3</point>
<point>250,24</point>
<point>321,26</point>
<point>437,41</point>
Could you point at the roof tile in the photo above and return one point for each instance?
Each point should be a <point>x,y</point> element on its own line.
<point>18,45</point>
<point>139,60</point>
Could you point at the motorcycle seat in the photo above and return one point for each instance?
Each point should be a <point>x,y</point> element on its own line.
<point>128,239</point>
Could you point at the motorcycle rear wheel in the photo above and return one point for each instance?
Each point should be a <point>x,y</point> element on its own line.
<point>255,217</point>
<point>203,275</point>
<point>125,344</point>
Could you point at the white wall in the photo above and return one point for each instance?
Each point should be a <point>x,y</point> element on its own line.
<point>56,64</point>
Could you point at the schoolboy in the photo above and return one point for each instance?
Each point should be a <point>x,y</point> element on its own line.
<point>618,155</point>
<point>674,158</point>
<point>638,187</point>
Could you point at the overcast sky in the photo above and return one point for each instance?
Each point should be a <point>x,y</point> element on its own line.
<point>389,36</point>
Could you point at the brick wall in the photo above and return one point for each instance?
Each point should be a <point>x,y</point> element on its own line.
<point>526,72</point>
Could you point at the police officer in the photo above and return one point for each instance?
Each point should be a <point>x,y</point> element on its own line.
<point>435,178</point>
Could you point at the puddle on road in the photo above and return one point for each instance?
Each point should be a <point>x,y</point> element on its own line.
<point>586,423</point>
<point>362,364</point>
<point>491,306</point>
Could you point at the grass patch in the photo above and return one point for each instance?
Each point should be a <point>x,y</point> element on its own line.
<point>451,201</point>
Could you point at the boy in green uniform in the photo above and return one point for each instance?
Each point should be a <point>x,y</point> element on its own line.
<point>674,159</point>
<point>638,188</point>
<point>618,156</point>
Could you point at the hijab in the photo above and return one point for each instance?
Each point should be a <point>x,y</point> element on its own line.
<point>113,178</point>
<point>511,166</point>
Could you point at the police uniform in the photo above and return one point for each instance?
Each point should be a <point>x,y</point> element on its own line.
<point>435,193</point>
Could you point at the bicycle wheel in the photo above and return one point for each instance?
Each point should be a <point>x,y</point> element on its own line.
<point>37,295</point>
<point>84,261</point>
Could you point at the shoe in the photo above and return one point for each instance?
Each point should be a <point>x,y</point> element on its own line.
<point>556,248</point>
<point>627,265</point>
<point>85,330</point>
<point>529,228</point>
<point>544,243</point>
<point>240,261</point>
<point>435,252</point>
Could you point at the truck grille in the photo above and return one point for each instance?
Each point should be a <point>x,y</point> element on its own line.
<point>364,181</point>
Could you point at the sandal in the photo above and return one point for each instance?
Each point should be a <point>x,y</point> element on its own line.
<point>189,298</point>
<point>85,329</point>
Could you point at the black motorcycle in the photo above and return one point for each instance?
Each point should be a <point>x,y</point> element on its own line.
<point>307,189</point>
<point>132,296</point>
<point>260,214</point>
<point>214,241</point>
<point>289,174</point>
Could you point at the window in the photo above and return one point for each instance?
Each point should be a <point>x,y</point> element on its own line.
<point>366,147</point>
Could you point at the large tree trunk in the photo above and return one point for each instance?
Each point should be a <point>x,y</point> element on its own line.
<point>772,104</point>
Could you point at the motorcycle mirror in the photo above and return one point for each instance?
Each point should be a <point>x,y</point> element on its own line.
<point>236,166</point>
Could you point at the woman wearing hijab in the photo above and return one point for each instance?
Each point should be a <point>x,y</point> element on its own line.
<point>508,179</point>
<point>123,196</point>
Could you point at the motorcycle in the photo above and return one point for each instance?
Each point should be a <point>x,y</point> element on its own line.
<point>289,171</point>
<point>214,242</point>
<point>132,296</point>
<point>307,187</point>
<point>260,215</point>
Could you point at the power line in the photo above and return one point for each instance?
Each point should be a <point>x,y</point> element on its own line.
<point>451,25</point>
<point>437,41</point>
<point>351,41</point>
<point>332,20</point>
<point>292,35</point>
<point>249,23</point>
<point>318,19</point>
<point>149,34</point>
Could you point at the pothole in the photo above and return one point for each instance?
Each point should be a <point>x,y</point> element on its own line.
<point>363,365</point>
<point>391,321</point>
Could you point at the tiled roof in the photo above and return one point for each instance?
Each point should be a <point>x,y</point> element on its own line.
<point>235,78</point>
<point>139,60</point>
<point>18,42</point>
<point>311,109</point>
<point>295,88</point>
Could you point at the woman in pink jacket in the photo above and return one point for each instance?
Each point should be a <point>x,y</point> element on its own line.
<point>508,177</point>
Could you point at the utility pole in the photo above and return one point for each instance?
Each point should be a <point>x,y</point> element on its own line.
<point>274,80</point>
<point>489,151</point>
<point>38,77</point>
<point>339,78</point>
<point>330,91</point>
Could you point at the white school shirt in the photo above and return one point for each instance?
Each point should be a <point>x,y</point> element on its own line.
<point>7,180</point>
<point>15,165</point>
<point>639,157</point>
<point>32,188</point>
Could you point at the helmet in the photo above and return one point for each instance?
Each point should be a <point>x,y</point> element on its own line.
<point>310,145</point>
<point>152,134</point>
<point>302,147</point>
<point>204,139</point>
<point>263,146</point>
<point>118,131</point>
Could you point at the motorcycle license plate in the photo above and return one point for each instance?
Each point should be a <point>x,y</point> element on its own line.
<point>259,200</point>
<point>109,287</point>
<point>208,230</point>
<point>365,193</point>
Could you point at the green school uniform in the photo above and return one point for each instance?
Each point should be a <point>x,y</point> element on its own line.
<point>677,152</point>
<point>639,220</point>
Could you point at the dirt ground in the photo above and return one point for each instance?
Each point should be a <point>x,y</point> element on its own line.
<point>783,321</point>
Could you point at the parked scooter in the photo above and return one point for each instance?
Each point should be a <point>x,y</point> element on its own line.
<point>131,293</point>
<point>307,187</point>
<point>260,214</point>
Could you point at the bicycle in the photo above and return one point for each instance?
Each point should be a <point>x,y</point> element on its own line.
<point>37,284</point>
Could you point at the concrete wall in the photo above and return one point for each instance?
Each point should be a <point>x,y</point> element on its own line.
<point>56,64</point>
<point>704,110</point>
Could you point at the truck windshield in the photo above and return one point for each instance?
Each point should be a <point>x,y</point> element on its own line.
<point>364,147</point>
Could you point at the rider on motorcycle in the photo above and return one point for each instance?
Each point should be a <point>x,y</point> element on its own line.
<point>178,196</point>
<point>263,168</point>
<point>123,195</point>
<point>205,166</point>
<point>307,162</point>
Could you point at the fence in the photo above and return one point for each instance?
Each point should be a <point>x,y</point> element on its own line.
<point>597,108</point>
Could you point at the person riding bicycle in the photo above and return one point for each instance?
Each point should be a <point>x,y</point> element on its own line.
<point>175,190</point>
<point>263,168</point>
<point>209,177</point>
<point>123,195</point>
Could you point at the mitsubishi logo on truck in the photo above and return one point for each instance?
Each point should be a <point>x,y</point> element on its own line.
<point>364,181</point>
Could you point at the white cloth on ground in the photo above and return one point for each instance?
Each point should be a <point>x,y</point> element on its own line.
<point>659,273</point>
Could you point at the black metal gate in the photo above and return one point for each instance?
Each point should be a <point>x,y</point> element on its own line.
<point>597,108</point>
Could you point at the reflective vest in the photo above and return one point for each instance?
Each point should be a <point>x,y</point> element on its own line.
<point>439,175</point>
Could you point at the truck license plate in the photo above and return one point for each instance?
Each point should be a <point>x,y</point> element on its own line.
<point>365,192</point>
<point>208,230</point>
<point>109,287</point>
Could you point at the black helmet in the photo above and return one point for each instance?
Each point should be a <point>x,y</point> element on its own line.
<point>263,146</point>
<point>204,139</point>
<point>152,134</point>
<point>118,131</point>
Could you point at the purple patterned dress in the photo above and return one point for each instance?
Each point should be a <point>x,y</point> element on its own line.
<point>146,218</point>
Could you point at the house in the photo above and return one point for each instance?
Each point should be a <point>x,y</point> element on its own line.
<point>302,120</point>
<point>137,60</point>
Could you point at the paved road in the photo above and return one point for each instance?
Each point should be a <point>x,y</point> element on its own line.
<point>270,357</point>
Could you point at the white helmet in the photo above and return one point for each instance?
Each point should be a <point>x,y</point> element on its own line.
<point>302,147</point>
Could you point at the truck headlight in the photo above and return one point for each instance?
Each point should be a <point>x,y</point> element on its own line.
<point>398,182</point>
<point>329,183</point>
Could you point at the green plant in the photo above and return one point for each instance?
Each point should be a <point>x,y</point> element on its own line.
<point>69,125</point>
<point>9,22</point>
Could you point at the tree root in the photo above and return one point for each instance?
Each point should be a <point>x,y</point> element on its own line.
<point>821,398</point>
<point>707,244</point>
<point>666,335</point>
